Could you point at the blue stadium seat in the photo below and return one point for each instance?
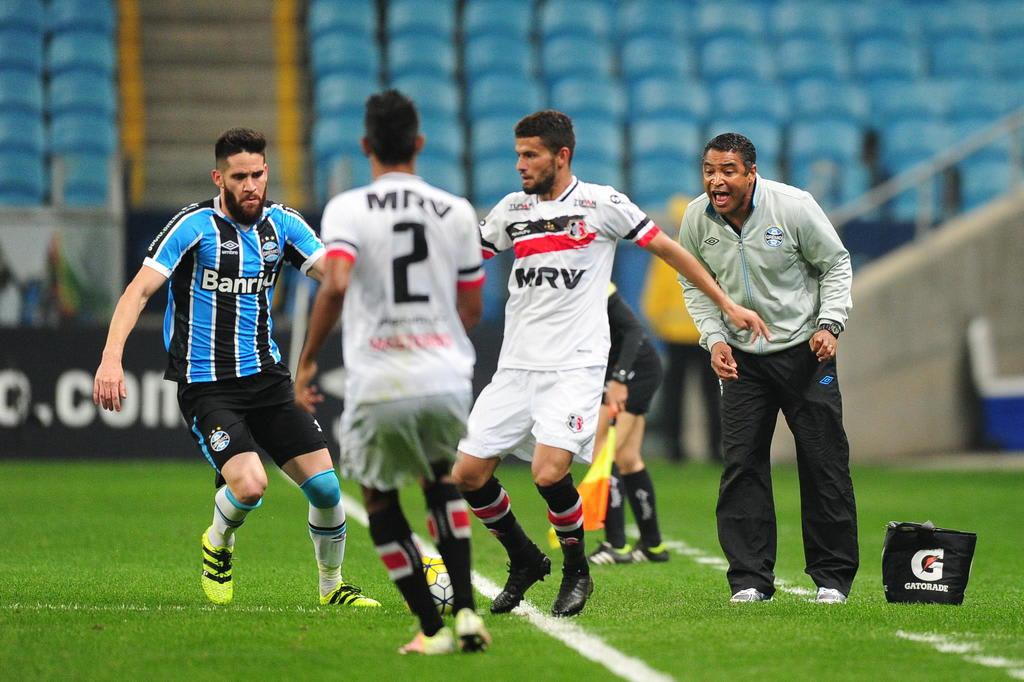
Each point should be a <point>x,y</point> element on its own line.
<point>892,20</point>
<point>433,95</point>
<point>964,127</point>
<point>829,99</point>
<point>336,135</point>
<point>341,93</point>
<point>494,137</point>
<point>340,171</point>
<point>892,100</point>
<point>822,177</point>
<point>1008,19</point>
<point>86,179</point>
<point>589,97</point>
<point>958,56</point>
<point>498,94</point>
<point>940,22</point>
<point>21,91</point>
<point>660,19</point>
<point>981,181</point>
<point>22,15</point>
<point>341,16</point>
<point>491,54</point>
<point>656,55</point>
<point>687,100</point>
<point>506,18</point>
<point>82,51</point>
<point>444,135</point>
<point>828,139</point>
<point>731,19</point>
<point>766,136</point>
<point>1008,57</point>
<point>806,19</point>
<point>344,53</point>
<point>446,173</point>
<point>74,133</point>
<point>655,180</point>
<point>599,171</point>
<point>726,57</point>
<point>494,178</point>
<point>22,178</point>
<point>737,97</point>
<point>431,17</point>
<point>81,15</point>
<point>421,55</point>
<point>598,139</point>
<point>799,58</point>
<point>22,132</point>
<point>907,142</point>
<point>659,137</point>
<point>887,58</point>
<point>21,50</point>
<point>587,20</point>
<point>82,92</point>
<point>575,56</point>
<point>867,240</point>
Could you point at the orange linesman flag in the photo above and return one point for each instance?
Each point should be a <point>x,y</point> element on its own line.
<point>596,485</point>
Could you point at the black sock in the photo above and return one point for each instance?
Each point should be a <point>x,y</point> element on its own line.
<point>393,538</point>
<point>490,503</point>
<point>615,517</point>
<point>565,512</point>
<point>448,519</point>
<point>640,490</point>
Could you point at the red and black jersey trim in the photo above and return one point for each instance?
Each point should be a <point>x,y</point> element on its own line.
<point>636,230</point>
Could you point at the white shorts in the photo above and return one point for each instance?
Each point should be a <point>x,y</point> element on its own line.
<point>387,445</point>
<point>521,408</point>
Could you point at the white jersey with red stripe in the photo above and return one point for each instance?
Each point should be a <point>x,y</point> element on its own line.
<point>557,311</point>
<point>412,246</point>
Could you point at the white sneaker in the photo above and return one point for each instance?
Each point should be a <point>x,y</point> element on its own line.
<point>828,595</point>
<point>749,594</point>
<point>470,630</point>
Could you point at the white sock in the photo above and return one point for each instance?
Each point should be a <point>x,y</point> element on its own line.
<point>227,517</point>
<point>327,529</point>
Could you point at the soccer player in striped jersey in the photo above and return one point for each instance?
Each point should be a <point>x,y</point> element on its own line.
<point>404,270</point>
<point>543,400</point>
<point>221,259</point>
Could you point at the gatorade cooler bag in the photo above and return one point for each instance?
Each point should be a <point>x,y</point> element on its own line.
<point>925,564</point>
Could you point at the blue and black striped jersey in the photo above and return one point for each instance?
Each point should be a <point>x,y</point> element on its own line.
<point>221,283</point>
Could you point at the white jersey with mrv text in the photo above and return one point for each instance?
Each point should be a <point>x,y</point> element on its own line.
<point>557,311</point>
<point>412,246</point>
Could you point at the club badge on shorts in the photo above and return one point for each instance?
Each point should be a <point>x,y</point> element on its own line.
<point>219,440</point>
<point>574,422</point>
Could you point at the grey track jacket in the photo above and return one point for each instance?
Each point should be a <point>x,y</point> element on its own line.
<point>787,264</point>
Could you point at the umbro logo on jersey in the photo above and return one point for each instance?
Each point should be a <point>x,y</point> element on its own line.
<point>229,247</point>
<point>711,241</point>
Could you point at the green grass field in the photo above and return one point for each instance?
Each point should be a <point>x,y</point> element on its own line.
<point>99,580</point>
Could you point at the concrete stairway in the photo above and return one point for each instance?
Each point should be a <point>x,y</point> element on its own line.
<point>208,65</point>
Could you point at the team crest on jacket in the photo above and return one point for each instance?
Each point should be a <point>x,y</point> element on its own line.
<point>577,229</point>
<point>773,236</point>
<point>575,423</point>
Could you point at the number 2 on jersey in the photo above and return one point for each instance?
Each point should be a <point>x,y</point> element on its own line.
<point>400,265</point>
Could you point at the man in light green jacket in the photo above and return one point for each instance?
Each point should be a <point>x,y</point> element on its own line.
<point>771,248</point>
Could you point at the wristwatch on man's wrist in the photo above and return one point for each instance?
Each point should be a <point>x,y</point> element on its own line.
<point>831,326</point>
<point>621,376</point>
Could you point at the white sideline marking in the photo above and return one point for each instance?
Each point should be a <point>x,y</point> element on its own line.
<point>720,564</point>
<point>968,651</point>
<point>124,608</point>
<point>563,629</point>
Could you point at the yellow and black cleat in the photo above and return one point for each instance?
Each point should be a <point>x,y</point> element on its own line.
<point>347,594</point>
<point>217,577</point>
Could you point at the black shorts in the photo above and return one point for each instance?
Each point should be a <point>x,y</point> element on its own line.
<point>232,416</point>
<point>645,381</point>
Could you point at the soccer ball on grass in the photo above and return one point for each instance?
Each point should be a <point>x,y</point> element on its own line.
<point>440,583</point>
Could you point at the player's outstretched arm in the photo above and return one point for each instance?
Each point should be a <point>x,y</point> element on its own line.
<point>326,310</point>
<point>108,388</point>
<point>684,262</point>
<point>470,304</point>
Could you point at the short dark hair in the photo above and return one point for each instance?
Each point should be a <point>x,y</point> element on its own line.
<point>236,140</point>
<point>552,127</point>
<point>733,142</point>
<point>392,125</point>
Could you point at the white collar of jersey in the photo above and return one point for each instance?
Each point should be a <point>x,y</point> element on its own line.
<point>396,175</point>
<point>573,184</point>
<point>220,212</point>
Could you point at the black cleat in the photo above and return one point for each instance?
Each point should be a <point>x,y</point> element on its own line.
<point>520,578</point>
<point>658,553</point>
<point>576,588</point>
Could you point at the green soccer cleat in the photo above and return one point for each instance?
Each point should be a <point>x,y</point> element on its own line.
<point>347,594</point>
<point>217,577</point>
<point>656,553</point>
